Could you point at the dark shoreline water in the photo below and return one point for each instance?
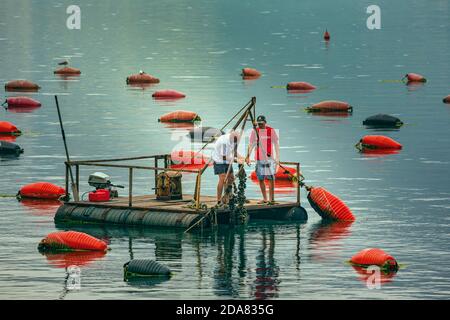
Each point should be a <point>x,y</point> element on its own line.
<point>401,201</point>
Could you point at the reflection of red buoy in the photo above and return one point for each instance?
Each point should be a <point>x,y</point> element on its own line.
<point>328,206</point>
<point>300,86</point>
<point>183,158</point>
<point>7,138</point>
<point>330,231</point>
<point>180,116</point>
<point>77,258</point>
<point>285,173</point>
<point>71,240</point>
<point>326,35</point>
<point>42,190</point>
<point>365,275</point>
<point>8,128</point>
<point>250,73</point>
<point>446,99</point>
<point>22,102</point>
<point>378,152</point>
<point>374,256</point>
<point>168,94</point>
<point>330,106</point>
<point>415,77</point>
<point>67,71</point>
<point>21,85</point>
<point>141,78</point>
<point>378,142</point>
<point>41,207</point>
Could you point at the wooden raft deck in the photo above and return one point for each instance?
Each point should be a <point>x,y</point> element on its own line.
<point>146,210</point>
<point>149,202</point>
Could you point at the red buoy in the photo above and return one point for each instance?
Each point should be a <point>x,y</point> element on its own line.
<point>141,78</point>
<point>415,77</point>
<point>300,86</point>
<point>22,102</point>
<point>285,173</point>
<point>21,85</point>
<point>67,71</point>
<point>168,94</point>
<point>183,157</point>
<point>328,206</point>
<point>446,99</point>
<point>326,35</point>
<point>8,128</point>
<point>374,256</point>
<point>330,106</point>
<point>180,116</point>
<point>71,241</point>
<point>41,190</point>
<point>249,73</point>
<point>378,142</point>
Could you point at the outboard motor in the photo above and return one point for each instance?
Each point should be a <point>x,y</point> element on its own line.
<point>104,189</point>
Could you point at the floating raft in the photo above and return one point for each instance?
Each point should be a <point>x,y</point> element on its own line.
<point>148,211</point>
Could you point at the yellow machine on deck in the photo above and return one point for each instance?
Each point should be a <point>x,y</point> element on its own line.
<point>168,186</point>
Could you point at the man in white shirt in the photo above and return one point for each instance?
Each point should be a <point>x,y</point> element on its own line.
<point>223,155</point>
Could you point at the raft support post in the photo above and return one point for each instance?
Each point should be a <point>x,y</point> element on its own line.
<point>130,187</point>
<point>156,174</point>
<point>197,190</point>
<point>77,177</point>
<point>67,181</point>
<point>297,166</point>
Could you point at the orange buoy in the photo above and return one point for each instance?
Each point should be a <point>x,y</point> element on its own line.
<point>168,94</point>
<point>183,157</point>
<point>446,99</point>
<point>300,86</point>
<point>8,128</point>
<point>378,142</point>
<point>24,85</point>
<point>41,190</point>
<point>328,206</point>
<point>67,71</point>
<point>22,102</point>
<point>415,77</point>
<point>180,116</point>
<point>285,173</point>
<point>330,106</point>
<point>374,256</point>
<point>141,78</point>
<point>250,73</point>
<point>71,241</point>
<point>326,35</point>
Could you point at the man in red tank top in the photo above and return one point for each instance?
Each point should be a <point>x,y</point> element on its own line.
<point>267,156</point>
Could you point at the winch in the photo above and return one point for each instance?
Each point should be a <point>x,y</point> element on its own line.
<point>104,189</point>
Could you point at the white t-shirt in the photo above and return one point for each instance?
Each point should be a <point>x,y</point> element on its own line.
<point>223,147</point>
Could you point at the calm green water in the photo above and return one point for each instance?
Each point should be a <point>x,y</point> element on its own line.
<point>401,201</point>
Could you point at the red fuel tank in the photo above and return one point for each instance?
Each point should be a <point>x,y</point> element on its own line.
<point>100,195</point>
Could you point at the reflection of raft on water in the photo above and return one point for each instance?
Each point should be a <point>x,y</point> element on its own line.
<point>168,206</point>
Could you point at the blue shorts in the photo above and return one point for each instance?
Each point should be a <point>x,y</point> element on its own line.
<point>265,169</point>
<point>220,168</point>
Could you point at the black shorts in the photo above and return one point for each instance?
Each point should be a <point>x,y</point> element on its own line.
<point>220,168</point>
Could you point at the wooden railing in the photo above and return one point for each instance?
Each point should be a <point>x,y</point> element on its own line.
<point>167,161</point>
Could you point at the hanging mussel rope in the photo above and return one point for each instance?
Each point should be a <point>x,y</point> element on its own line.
<point>238,212</point>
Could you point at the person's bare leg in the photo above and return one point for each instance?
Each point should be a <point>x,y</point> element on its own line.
<point>262,186</point>
<point>272,190</point>
<point>220,187</point>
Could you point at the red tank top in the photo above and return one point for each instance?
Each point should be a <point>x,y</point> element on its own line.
<point>267,148</point>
